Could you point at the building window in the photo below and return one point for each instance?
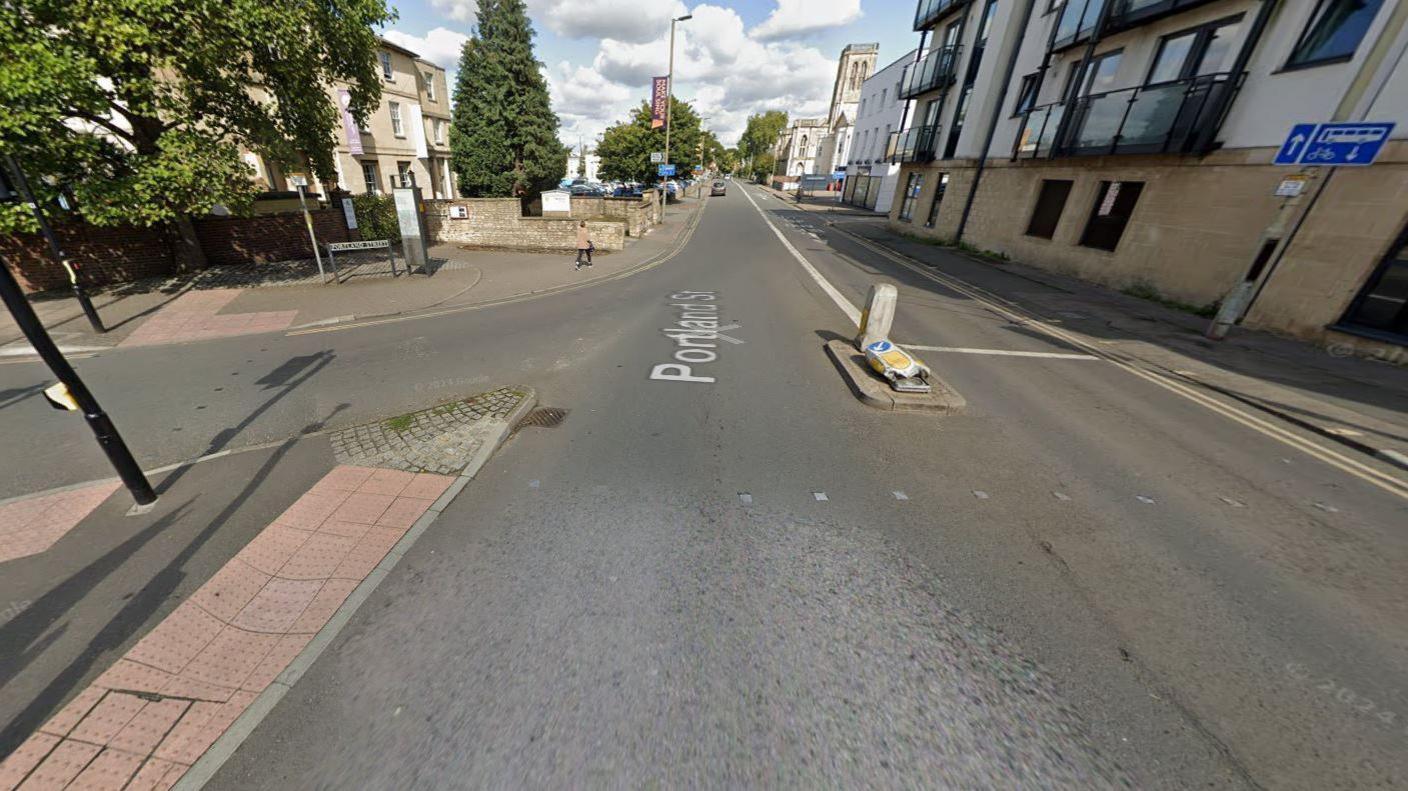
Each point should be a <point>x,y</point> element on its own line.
<point>369,177</point>
<point>884,93</point>
<point>912,188</point>
<point>1050,202</point>
<point>1334,32</point>
<point>396,127</point>
<point>1114,205</point>
<point>1099,74</point>
<point>1195,53</point>
<point>430,85</point>
<point>404,176</point>
<point>386,65</point>
<point>1383,304</point>
<point>939,191</point>
<point>1026,94</point>
<point>439,131</point>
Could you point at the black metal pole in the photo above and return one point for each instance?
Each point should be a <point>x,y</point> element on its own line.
<point>108,438</point>
<point>22,184</point>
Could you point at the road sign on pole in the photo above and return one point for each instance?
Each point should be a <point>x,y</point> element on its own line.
<point>667,170</point>
<point>1339,144</point>
<point>656,157</point>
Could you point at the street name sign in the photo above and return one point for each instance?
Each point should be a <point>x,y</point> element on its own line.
<point>667,170</point>
<point>1338,144</point>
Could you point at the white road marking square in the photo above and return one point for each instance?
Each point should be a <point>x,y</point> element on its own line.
<point>820,496</point>
<point>745,498</point>
<point>1062,496</point>
<point>1143,499</point>
<point>980,495</point>
<point>900,495</point>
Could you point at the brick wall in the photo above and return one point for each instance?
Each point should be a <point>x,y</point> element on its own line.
<point>499,222</point>
<point>121,254</point>
<point>264,238</point>
<point>107,255</point>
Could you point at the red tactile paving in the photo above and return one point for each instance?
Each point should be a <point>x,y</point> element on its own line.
<point>196,316</point>
<point>32,525</point>
<point>157,709</point>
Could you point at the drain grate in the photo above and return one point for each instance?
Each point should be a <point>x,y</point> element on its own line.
<point>545,417</point>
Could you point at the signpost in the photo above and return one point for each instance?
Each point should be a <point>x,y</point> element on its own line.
<point>1334,145</point>
<point>657,157</point>
<point>667,170</point>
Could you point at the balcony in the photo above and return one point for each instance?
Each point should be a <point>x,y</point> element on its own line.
<point>930,11</point>
<point>936,70</point>
<point>1168,118</point>
<point>1079,18</point>
<point>917,144</point>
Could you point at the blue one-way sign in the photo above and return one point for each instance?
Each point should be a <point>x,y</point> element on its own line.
<point>1334,144</point>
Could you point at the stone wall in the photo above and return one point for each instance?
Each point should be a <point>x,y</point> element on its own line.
<point>499,222</point>
<point>121,254</point>
<point>639,214</point>
<point>1194,231</point>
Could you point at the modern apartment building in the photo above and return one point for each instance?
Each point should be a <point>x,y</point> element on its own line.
<point>870,176</point>
<point>1130,142</point>
<point>405,141</point>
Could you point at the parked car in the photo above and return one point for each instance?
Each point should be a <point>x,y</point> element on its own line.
<point>720,188</point>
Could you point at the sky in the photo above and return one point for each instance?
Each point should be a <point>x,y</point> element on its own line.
<point>734,58</point>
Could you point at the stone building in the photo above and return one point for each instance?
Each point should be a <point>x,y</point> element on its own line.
<point>1130,142</point>
<point>405,141</point>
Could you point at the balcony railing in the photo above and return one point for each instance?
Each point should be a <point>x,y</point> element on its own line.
<point>936,70</point>
<point>930,11</point>
<point>1080,17</point>
<point>916,144</point>
<point>1168,118</point>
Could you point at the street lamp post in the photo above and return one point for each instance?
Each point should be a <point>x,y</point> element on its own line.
<point>670,103</point>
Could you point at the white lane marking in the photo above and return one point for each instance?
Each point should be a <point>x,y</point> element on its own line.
<point>1329,509</point>
<point>1000,352</point>
<point>1233,503</point>
<point>745,498</point>
<point>980,495</point>
<point>1385,481</point>
<point>1062,496</point>
<point>28,351</point>
<point>1145,500</point>
<point>900,495</point>
<point>820,496</point>
<point>534,484</point>
<point>851,311</point>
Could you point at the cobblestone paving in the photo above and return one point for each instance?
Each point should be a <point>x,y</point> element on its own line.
<point>442,439</point>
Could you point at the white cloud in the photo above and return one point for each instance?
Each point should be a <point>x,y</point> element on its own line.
<point>440,46</point>
<point>794,18</point>
<point>621,20</point>
<point>458,10</point>
<point>726,75</point>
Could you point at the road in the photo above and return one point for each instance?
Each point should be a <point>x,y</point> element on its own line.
<point>1086,580</point>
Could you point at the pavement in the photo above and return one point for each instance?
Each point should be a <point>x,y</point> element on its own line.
<point>713,566</point>
<point>227,301</point>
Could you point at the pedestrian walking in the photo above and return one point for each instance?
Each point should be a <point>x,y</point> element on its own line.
<point>584,245</point>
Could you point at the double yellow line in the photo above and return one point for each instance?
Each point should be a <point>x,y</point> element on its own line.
<point>1388,482</point>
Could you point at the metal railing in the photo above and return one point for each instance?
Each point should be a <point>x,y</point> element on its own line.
<point>929,11</point>
<point>917,144</point>
<point>936,70</point>
<point>1079,17</point>
<point>1167,118</point>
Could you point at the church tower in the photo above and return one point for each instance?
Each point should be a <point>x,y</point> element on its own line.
<point>857,63</point>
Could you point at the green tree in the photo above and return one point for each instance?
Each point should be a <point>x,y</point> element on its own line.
<point>625,148</point>
<point>728,160</point>
<point>760,135</point>
<point>762,167</point>
<point>139,109</point>
<point>503,138</point>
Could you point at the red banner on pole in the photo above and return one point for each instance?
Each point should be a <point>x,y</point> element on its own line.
<point>659,101</point>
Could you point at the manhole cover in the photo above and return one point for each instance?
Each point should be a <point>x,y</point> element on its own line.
<point>546,417</point>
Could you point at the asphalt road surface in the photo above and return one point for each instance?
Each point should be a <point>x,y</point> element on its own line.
<point>1085,581</point>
